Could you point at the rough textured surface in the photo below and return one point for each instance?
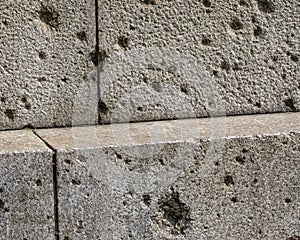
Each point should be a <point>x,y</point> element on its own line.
<point>248,53</point>
<point>242,185</point>
<point>46,58</point>
<point>26,189</point>
<point>159,60</point>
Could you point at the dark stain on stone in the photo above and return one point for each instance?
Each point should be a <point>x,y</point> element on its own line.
<point>127,161</point>
<point>162,161</point>
<point>119,156</point>
<point>102,107</point>
<point>67,161</point>
<point>93,57</point>
<point>42,79</point>
<point>225,65</point>
<point>236,24</point>
<point>149,2</point>
<point>206,3</point>
<point>283,76</point>
<point>216,73</point>
<point>28,126</point>
<point>147,199</point>
<point>258,31</point>
<point>49,16</point>
<point>294,58</point>
<point>123,42</point>
<point>2,206</point>
<point>42,55</point>
<point>26,102</point>
<point>240,159</point>
<point>290,104</point>
<point>38,182</point>
<point>275,58</point>
<point>257,104</point>
<point>175,212</point>
<point>287,200</point>
<point>76,182</point>
<point>10,114</point>
<point>236,67</point>
<point>205,41</point>
<point>243,3</point>
<point>184,89</point>
<point>82,36</point>
<point>266,6</point>
<point>228,180</point>
<point>102,55</point>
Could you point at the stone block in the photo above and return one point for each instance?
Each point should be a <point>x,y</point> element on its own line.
<point>223,178</point>
<point>47,54</point>
<point>190,58</point>
<point>26,187</point>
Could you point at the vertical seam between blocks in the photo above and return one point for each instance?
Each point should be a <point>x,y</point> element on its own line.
<point>97,57</point>
<point>55,186</point>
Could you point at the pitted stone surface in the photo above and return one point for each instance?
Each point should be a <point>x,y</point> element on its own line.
<point>248,50</point>
<point>26,189</point>
<point>238,57</point>
<point>241,185</point>
<point>46,60</point>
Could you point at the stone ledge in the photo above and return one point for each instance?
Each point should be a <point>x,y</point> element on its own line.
<point>220,178</point>
<point>171,130</point>
<point>18,141</point>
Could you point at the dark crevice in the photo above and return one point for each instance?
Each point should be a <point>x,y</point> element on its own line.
<point>97,54</point>
<point>97,31</point>
<point>55,186</point>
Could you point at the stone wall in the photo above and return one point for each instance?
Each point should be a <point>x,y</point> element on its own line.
<point>206,145</point>
<point>157,59</point>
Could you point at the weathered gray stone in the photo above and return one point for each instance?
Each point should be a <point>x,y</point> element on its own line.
<point>159,60</point>
<point>245,53</point>
<point>26,188</point>
<point>179,179</point>
<point>46,58</point>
